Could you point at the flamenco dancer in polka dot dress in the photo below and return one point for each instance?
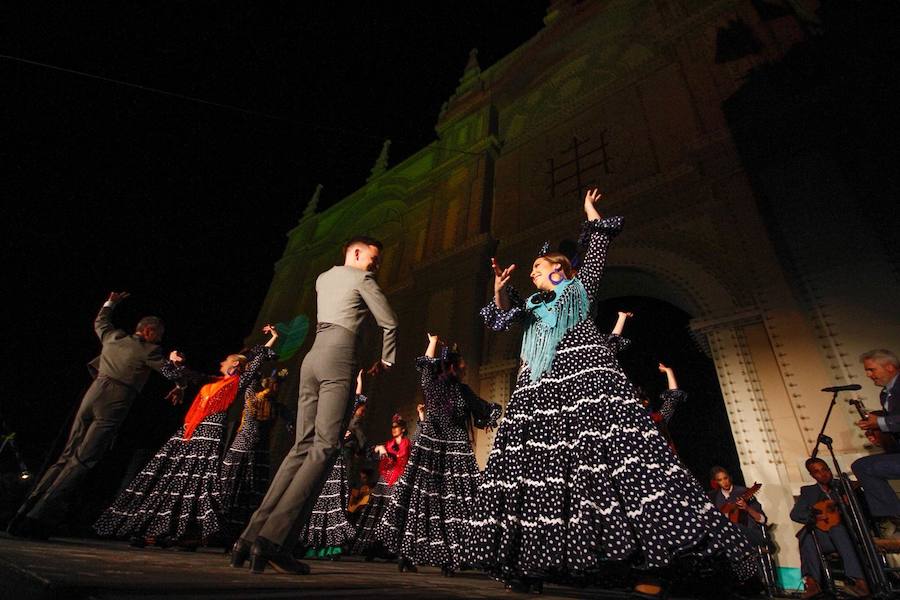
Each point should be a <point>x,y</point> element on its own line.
<point>328,529</point>
<point>394,454</point>
<point>579,478</point>
<point>245,467</point>
<point>426,521</point>
<point>177,496</point>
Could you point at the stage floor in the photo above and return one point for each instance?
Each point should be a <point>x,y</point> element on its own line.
<point>75,569</point>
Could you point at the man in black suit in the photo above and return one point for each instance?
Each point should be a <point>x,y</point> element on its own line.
<point>752,518</point>
<point>883,368</point>
<point>837,539</point>
<point>122,369</point>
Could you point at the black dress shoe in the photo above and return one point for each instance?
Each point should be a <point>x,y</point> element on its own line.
<point>285,563</point>
<point>265,552</point>
<point>525,585</point>
<point>137,541</point>
<point>405,566</point>
<point>240,552</point>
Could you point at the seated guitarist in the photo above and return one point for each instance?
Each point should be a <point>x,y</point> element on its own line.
<point>874,472</point>
<point>750,512</point>
<point>816,504</point>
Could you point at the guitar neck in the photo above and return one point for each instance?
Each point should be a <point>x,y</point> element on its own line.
<point>750,492</point>
<point>863,413</point>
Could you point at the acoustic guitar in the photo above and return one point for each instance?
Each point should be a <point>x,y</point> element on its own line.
<point>732,510</point>
<point>827,514</point>
<point>885,440</point>
<point>359,497</point>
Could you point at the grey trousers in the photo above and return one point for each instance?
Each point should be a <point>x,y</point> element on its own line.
<point>835,540</point>
<point>874,472</point>
<point>103,409</point>
<point>327,377</point>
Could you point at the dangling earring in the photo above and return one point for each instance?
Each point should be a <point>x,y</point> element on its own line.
<point>556,281</point>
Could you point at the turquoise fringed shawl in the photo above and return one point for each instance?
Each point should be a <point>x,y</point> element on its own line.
<point>551,321</point>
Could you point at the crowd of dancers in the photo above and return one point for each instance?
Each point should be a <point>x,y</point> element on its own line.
<point>582,478</point>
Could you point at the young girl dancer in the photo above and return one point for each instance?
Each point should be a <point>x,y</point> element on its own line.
<point>426,520</point>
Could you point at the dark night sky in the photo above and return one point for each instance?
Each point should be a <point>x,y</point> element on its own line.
<point>184,204</point>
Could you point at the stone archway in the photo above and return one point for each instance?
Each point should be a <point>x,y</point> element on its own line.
<point>767,434</point>
<point>660,332</point>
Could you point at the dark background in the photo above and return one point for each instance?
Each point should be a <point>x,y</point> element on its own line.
<point>182,203</point>
<point>186,204</point>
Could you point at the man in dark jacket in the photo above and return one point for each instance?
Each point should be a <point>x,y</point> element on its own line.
<point>123,367</point>
<point>836,539</point>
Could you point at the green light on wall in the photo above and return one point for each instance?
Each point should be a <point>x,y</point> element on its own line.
<point>293,334</point>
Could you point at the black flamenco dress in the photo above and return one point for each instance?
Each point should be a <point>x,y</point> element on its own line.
<point>426,520</point>
<point>178,494</point>
<point>328,529</point>
<point>579,478</point>
<point>245,466</point>
<point>390,469</point>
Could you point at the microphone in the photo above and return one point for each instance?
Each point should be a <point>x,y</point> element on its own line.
<point>843,388</point>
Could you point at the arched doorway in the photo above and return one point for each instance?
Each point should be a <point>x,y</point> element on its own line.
<point>659,332</point>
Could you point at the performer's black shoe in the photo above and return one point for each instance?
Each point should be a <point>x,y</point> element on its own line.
<point>525,585</point>
<point>137,541</point>
<point>447,571</point>
<point>265,552</point>
<point>405,565</point>
<point>240,552</point>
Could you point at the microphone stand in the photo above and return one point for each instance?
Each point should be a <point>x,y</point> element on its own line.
<point>8,439</point>
<point>810,530</point>
<point>852,513</point>
<point>815,451</point>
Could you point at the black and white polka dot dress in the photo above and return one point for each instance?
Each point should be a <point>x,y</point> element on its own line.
<point>369,518</point>
<point>371,515</point>
<point>328,526</point>
<point>426,520</point>
<point>579,476</point>
<point>245,466</point>
<point>179,492</point>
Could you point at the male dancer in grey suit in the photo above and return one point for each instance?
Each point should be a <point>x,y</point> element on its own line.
<point>122,369</point>
<point>346,295</point>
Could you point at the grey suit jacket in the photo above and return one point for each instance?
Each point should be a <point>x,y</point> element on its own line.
<point>126,357</point>
<point>345,296</point>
